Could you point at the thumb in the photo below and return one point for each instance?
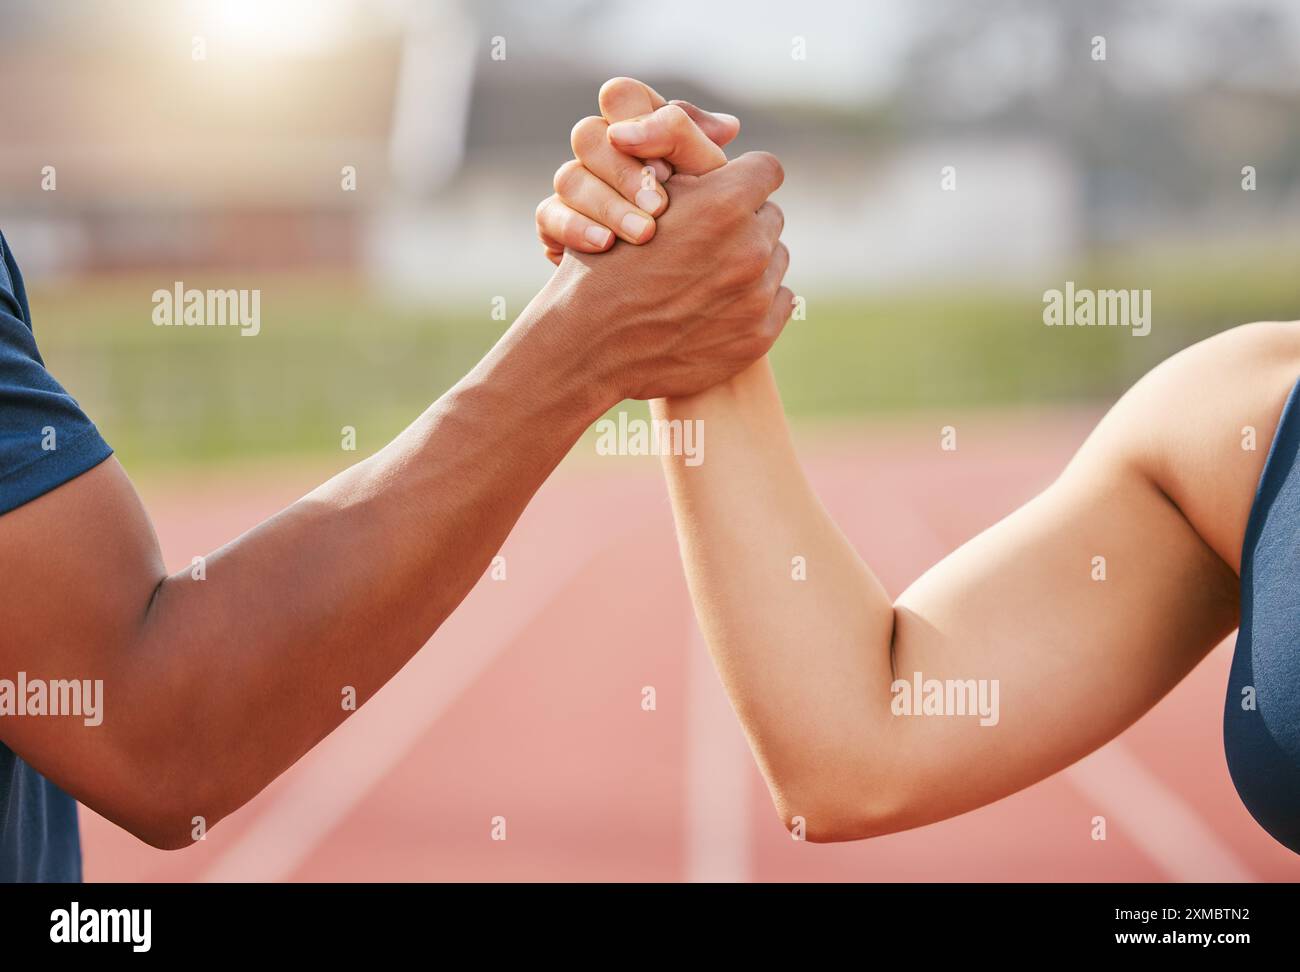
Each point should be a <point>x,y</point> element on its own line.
<point>624,98</point>
<point>669,133</point>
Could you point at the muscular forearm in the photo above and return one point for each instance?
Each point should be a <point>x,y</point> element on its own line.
<point>237,675</point>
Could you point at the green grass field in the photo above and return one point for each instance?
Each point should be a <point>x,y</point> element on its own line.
<point>332,354</point>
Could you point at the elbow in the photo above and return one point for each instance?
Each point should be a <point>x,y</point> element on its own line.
<point>159,832</point>
<point>827,806</point>
<point>166,776</point>
<point>166,802</point>
<point>165,821</point>
<point>169,822</point>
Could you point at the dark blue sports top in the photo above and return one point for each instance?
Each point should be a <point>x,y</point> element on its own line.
<point>1261,717</point>
<point>45,440</point>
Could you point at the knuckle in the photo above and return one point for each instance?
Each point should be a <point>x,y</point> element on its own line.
<point>556,221</point>
<point>770,166</point>
<point>568,178</point>
<point>741,271</point>
<point>768,332</point>
<point>564,227</point>
<point>633,177</point>
<point>612,212</point>
<point>573,227</point>
<point>780,260</point>
<point>588,133</point>
<point>732,192</point>
<point>755,343</point>
<point>727,211</point>
<point>674,118</point>
<point>753,259</point>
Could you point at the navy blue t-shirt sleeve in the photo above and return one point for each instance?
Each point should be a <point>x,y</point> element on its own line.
<point>45,437</point>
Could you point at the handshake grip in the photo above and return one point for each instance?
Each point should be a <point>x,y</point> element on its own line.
<point>707,298</point>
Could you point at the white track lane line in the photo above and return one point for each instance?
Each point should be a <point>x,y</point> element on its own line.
<point>718,775</point>
<point>338,775</point>
<point>1161,823</point>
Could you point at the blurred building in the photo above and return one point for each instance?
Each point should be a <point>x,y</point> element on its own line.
<point>169,162</point>
<point>162,159</point>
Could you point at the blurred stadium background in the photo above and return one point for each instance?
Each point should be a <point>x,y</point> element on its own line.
<point>226,172</point>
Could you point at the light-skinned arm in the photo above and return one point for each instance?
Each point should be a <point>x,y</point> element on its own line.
<point>1161,490</point>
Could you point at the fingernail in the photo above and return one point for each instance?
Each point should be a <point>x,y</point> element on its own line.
<point>629,133</point>
<point>649,200</point>
<point>729,119</point>
<point>635,225</point>
<point>597,235</point>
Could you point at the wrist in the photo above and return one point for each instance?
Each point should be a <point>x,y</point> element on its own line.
<point>747,386</point>
<point>570,326</point>
<point>547,357</point>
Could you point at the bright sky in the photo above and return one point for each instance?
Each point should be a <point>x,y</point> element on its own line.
<point>852,47</point>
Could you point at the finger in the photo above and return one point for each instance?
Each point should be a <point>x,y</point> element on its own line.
<point>561,227</point>
<point>554,248</point>
<point>669,134</point>
<point>720,127</point>
<point>777,267</point>
<point>631,178</point>
<point>583,192</point>
<point>751,178</point>
<point>623,98</point>
<point>771,221</point>
<point>663,171</point>
<point>778,314</point>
